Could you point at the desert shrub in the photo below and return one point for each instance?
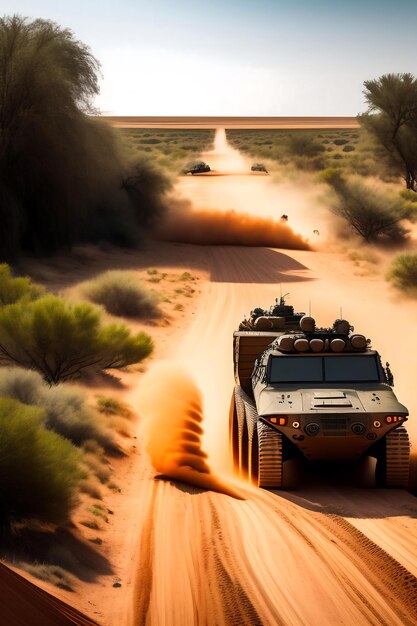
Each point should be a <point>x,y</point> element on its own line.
<point>111,406</point>
<point>52,574</point>
<point>39,470</point>
<point>121,294</point>
<point>403,272</point>
<point>13,289</point>
<point>60,340</point>
<point>348,148</point>
<point>337,156</point>
<point>372,213</point>
<point>340,142</point>
<point>65,408</point>
<point>67,413</point>
<point>25,386</point>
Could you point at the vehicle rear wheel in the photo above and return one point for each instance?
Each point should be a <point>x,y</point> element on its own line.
<point>394,460</point>
<point>239,432</point>
<point>234,434</point>
<point>270,463</point>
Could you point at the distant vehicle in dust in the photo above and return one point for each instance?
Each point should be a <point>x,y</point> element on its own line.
<point>284,218</point>
<point>259,167</point>
<point>318,393</point>
<point>197,168</point>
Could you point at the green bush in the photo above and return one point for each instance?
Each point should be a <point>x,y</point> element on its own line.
<point>403,272</point>
<point>14,289</point>
<point>372,213</point>
<point>39,470</point>
<point>112,406</point>
<point>121,294</point>
<point>60,340</point>
<point>65,409</point>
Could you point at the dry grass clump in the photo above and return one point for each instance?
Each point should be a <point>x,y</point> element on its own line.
<point>403,273</point>
<point>52,574</point>
<point>65,408</point>
<point>91,487</point>
<point>121,294</point>
<point>112,406</point>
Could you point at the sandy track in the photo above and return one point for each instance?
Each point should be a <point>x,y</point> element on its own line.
<point>324,555</point>
<point>319,556</point>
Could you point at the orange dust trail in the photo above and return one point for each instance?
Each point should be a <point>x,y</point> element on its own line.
<point>171,407</point>
<point>212,227</point>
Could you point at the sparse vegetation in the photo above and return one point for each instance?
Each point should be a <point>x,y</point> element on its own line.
<point>64,408</point>
<point>74,336</point>
<point>370,213</point>
<point>121,294</point>
<point>52,574</point>
<point>112,406</point>
<point>170,149</point>
<point>403,273</point>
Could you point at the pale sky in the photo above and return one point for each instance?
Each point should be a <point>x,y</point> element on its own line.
<point>237,57</point>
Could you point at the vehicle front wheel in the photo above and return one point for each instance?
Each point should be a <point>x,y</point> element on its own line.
<point>393,461</point>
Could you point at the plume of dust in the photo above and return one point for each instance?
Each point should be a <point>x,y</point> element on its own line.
<point>171,408</point>
<point>212,227</point>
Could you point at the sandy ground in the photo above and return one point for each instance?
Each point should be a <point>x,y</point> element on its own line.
<point>231,122</point>
<point>326,554</point>
<point>323,555</point>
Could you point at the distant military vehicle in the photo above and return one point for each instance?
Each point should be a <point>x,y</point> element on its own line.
<point>197,168</point>
<point>259,167</point>
<point>317,393</point>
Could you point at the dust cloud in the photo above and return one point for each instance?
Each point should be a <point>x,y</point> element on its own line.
<point>172,412</point>
<point>232,186</point>
<point>213,227</point>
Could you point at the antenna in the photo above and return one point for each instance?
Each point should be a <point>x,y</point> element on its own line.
<point>341,313</point>
<point>309,308</point>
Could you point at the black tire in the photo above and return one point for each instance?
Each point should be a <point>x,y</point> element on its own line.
<point>234,435</point>
<point>270,461</point>
<point>393,461</point>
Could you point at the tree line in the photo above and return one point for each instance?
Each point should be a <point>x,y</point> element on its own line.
<point>64,177</point>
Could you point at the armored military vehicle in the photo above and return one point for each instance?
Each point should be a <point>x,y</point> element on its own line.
<point>197,168</point>
<point>259,167</point>
<point>317,393</point>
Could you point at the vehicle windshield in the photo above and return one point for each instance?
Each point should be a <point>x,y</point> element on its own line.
<point>320,369</point>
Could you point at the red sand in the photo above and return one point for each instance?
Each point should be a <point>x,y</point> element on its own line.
<point>24,604</point>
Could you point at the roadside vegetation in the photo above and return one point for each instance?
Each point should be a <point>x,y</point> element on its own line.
<point>39,470</point>
<point>53,443</point>
<point>374,214</point>
<point>365,169</point>
<point>170,149</point>
<point>65,176</point>
<point>403,273</point>
<point>121,293</point>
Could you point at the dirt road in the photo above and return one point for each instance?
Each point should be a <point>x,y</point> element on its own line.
<point>324,555</point>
